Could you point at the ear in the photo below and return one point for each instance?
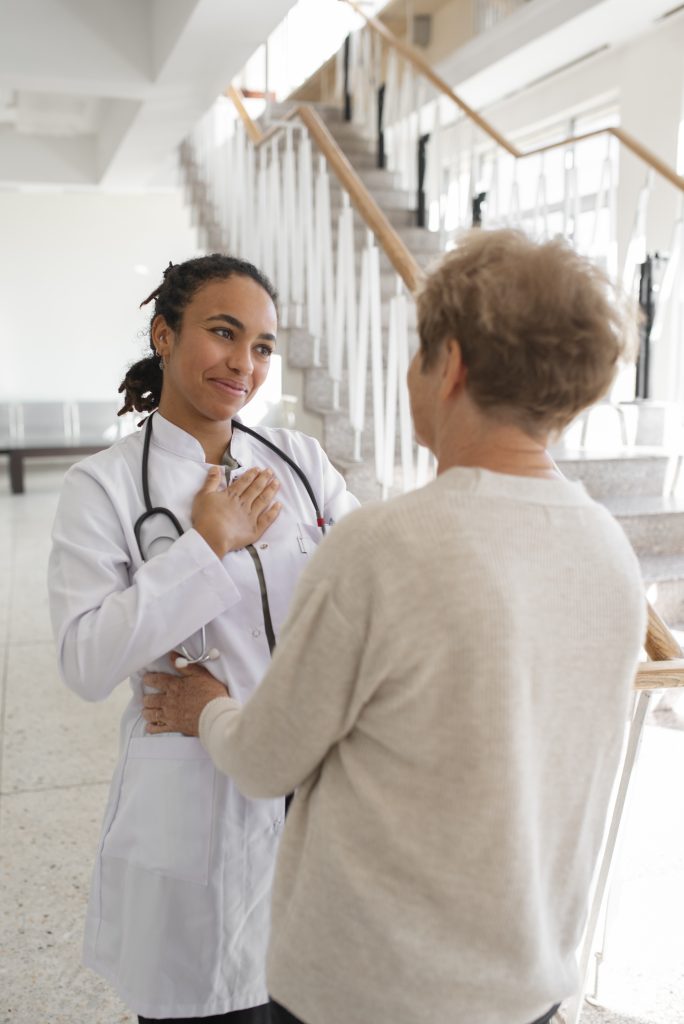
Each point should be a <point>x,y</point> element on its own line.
<point>161,335</point>
<point>454,370</point>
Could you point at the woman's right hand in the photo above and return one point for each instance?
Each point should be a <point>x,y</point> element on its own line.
<point>232,518</point>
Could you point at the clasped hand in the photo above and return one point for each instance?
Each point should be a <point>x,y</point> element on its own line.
<point>238,515</point>
<point>178,701</point>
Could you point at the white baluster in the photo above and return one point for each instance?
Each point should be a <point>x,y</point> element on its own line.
<point>667,332</point>
<point>636,249</point>
<point>540,221</point>
<point>391,107</point>
<point>570,196</point>
<point>358,395</point>
<point>601,205</point>
<point>280,226</point>
<point>250,243</point>
<point>306,217</point>
<point>390,431</point>
<point>376,355</point>
<point>294,233</point>
<point>324,259</point>
<point>405,421</point>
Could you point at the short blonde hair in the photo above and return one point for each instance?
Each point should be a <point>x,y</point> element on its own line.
<point>541,328</point>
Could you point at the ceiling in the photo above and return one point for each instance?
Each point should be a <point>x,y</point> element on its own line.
<point>100,92</point>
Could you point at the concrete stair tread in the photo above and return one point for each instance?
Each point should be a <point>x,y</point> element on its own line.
<point>658,568</point>
<point>626,505</point>
<point>610,454</point>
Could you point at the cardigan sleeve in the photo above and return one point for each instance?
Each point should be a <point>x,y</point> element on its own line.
<point>310,697</point>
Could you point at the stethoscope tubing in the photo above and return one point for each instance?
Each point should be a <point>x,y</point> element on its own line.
<point>155,510</point>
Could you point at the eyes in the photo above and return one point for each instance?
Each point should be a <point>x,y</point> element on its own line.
<point>263,349</point>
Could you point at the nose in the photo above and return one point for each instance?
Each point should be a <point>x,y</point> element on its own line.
<point>239,358</point>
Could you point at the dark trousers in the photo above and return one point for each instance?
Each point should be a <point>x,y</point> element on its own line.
<point>279,1015</point>
<point>255,1015</point>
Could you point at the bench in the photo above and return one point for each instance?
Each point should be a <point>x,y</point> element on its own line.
<point>56,429</point>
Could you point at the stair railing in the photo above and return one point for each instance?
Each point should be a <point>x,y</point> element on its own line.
<point>270,197</point>
<point>566,185</point>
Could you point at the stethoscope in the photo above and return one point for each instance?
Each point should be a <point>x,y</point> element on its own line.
<point>159,510</point>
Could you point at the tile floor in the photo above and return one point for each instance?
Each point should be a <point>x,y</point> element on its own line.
<point>56,755</point>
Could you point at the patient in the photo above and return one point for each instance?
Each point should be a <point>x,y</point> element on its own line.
<point>449,693</point>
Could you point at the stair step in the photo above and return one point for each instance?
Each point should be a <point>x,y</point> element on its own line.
<point>378,178</point>
<point>654,525</point>
<point>394,198</point>
<point>664,579</point>
<point>347,131</point>
<point>612,474</point>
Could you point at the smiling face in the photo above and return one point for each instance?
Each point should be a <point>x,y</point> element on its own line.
<point>219,358</point>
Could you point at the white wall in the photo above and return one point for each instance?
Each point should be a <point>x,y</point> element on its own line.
<point>69,288</point>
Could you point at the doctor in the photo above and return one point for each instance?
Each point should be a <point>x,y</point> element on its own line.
<point>173,539</point>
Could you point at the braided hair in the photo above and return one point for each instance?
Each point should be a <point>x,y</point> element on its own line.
<point>142,385</point>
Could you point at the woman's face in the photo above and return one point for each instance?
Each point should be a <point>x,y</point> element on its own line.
<point>219,358</point>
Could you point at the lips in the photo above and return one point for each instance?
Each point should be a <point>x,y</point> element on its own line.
<point>229,387</point>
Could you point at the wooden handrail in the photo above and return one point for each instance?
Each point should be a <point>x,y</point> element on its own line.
<point>654,675</point>
<point>666,667</point>
<point>393,246</point>
<point>418,61</point>
<point>660,644</point>
<point>252,129</point>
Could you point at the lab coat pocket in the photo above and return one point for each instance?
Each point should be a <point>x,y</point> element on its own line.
<point>163,815</point>
<point>309,536</point>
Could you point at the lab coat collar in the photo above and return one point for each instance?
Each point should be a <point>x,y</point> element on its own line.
<point>240,444</point>
<point>173,439</point>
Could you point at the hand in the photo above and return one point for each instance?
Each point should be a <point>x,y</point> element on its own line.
<point>179,700</point>
<point>237,516</point>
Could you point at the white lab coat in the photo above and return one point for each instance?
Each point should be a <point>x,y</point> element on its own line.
<point>178,917</point>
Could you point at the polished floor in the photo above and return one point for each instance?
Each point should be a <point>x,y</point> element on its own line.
<point>56,755</point>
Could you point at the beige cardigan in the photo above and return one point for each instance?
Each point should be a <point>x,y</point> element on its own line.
<point>448,698</point>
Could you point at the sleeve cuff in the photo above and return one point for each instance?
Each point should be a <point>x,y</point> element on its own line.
<point>211,713</point>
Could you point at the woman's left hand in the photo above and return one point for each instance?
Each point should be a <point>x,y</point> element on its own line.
<point>179,700</point>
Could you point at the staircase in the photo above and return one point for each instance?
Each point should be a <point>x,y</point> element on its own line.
<point>635,483</point>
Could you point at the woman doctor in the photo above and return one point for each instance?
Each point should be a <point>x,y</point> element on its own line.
<point>173,540</point>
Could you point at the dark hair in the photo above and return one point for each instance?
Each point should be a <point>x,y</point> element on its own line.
<point>142,385</point>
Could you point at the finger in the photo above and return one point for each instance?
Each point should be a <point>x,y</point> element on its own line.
<point>263,500</point>
<point>152,729</point>
<point>241,483</point>
<point>159,680</point>
<point>212,482</point>
<point>268,516</point>
<point>264,481</point>
<point>152,700</point>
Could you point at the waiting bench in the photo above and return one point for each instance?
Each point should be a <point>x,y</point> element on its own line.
<point>49,429</point>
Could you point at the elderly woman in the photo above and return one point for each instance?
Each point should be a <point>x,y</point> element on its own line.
<point>449,693</point>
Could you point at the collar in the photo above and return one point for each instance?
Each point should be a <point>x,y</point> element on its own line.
<point>174,439</point>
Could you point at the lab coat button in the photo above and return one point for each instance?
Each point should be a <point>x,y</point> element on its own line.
<point>263,547</point>
<point>256,632</point>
